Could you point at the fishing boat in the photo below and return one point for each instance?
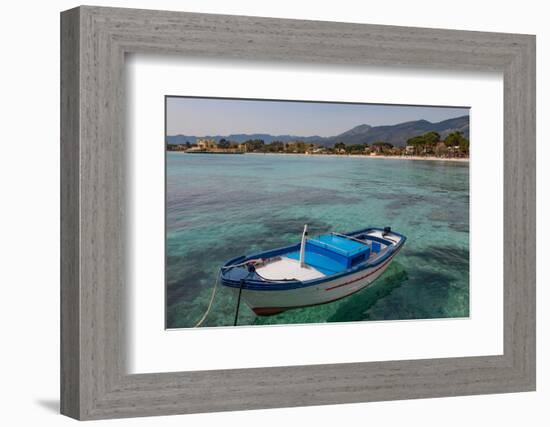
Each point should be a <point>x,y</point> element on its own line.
<point>314,271</point>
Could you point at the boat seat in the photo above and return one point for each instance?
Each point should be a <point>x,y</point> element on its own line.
<point>284,268</point>
<point>321,263</point>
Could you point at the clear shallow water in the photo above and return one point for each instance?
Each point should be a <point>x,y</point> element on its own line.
<point>222,206</point>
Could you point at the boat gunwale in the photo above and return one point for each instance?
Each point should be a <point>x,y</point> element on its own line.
<point>280,285</point>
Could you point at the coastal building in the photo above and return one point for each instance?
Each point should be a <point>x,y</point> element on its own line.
<point>206,144</point>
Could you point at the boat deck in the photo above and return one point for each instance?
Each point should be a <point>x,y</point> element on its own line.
<point>285,268</point>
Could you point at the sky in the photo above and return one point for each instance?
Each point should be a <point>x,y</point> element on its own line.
<point>214,116</point>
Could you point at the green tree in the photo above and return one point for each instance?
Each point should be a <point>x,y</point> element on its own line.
<point>424,143</point>
<point>301,147</point>
<point>275,147</point>
<point>224,143</point>
<point>382,147</point>
<point>339,146</point>
<point>430,141</point>
<point>457,139</point>
<point>464,146</point>
<point>454,139</point>
<point>355,148</point>
<point>254,144</point>
<point>431,138</point>
<point>416,141</point>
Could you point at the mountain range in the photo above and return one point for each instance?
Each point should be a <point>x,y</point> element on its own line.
<point>397,134</point>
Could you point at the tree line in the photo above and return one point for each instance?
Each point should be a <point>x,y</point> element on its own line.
<point>454,144</point>
<point>431,143</point>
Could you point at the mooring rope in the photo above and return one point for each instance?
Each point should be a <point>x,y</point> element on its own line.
<point>205,315</point>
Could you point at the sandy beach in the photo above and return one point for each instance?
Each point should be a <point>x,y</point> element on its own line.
<point>430,158</point>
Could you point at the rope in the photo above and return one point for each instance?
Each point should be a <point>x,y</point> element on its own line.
<point>205,315</point>
<point>250,261</point>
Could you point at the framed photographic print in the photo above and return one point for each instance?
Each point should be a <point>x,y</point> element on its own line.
<point>292,213</point>
<point>262,179</point>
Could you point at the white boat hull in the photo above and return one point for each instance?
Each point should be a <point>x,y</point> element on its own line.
<point>268,302</point>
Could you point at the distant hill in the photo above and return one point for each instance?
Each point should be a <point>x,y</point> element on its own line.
<point>394,134</point>
<point>399,134</point>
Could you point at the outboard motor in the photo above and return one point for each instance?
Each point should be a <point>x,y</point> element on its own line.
<point>387,230</point>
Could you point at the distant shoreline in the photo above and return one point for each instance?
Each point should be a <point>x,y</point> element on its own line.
<point>381,156</point>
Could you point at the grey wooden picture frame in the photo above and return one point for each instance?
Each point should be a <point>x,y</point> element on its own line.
<point>94,42</point>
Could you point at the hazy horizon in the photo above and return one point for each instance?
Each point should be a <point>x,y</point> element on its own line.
<point>194,116</point>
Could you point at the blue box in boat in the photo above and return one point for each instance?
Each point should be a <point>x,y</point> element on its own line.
<point>331,254</point>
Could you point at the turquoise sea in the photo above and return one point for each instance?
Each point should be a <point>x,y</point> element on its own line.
<point>222,206</point>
